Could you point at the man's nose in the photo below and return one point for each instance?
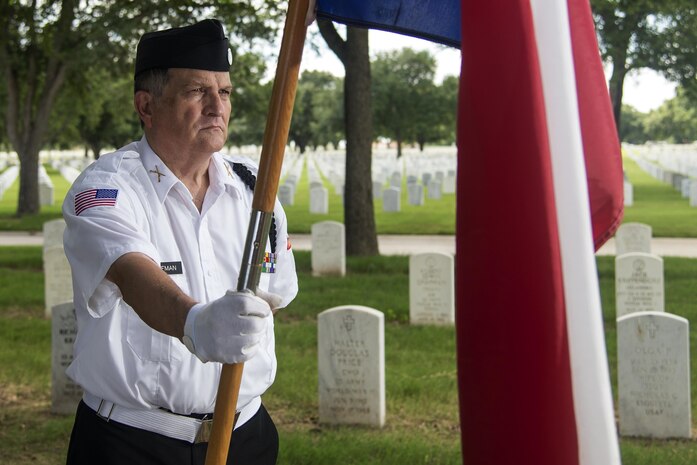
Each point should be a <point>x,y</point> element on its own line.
<point>214,104</point>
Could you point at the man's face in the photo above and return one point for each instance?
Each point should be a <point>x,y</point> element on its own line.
<point>193,112</point>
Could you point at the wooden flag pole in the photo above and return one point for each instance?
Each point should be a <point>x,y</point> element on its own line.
<point>275,139</point>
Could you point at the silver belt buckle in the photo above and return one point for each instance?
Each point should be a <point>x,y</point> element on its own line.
<point>204,431</point>
<point>99,411</point>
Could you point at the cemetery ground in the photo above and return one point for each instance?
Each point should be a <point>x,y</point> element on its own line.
<point>655,203</point>
<point>422,408</point>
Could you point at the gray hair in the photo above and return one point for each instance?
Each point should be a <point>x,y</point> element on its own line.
<point>152,81</point>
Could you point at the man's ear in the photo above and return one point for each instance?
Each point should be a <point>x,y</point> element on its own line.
<point>143,103</point>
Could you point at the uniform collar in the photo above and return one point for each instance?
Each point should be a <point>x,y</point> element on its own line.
<point>162,178</point>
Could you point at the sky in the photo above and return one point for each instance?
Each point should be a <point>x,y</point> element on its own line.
<point>644,90</point>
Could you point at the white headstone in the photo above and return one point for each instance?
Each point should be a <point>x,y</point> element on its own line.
<point>53,233</point>
<point>45,194</point>
<point>628,194</point>
<point>351,363</point>
<point>449,184</point>
<point>391,199</point>
<point>415,194</point>
<point>685,187</point>
<point>58,279</point>
<point>432,289</point>
<point>434,189</point>
<point>65,393</point>
<point>639,283</point>
<point>693,193</point>
<point>328,249</point>
<point>633,237</point>
<point>377,190</point>
<point>285,195</point>
<point>319,200</point>
<point>653,375</point>
<point>396,179</point>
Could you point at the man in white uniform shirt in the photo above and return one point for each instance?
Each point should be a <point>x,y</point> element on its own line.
<point>155,235</point>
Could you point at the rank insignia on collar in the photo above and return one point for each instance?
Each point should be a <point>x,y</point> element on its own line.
<point>269,263</point>
<point>157,172</point>
<point>229,171</point>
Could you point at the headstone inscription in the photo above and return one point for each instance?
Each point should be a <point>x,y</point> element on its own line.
<point>351,363</point>
<point>639,285</point>
<point>653,375</point>
<point>431,289</point>
<point>65,393</point>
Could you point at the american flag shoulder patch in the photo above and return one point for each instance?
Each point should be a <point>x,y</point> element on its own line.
<point>95,198</point>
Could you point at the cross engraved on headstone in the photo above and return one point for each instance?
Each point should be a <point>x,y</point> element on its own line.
<point>652,328</point>
<point>348,323</point>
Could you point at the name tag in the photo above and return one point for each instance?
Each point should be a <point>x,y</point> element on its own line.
<point>172,267</point>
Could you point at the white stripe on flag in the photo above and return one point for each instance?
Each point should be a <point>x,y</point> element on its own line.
<point>597,436</point>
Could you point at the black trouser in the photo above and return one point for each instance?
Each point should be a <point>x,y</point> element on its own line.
<point>95,441</point>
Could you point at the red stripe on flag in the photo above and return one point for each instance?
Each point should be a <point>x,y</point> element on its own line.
<point>601,145</point>
<point>516,404</point>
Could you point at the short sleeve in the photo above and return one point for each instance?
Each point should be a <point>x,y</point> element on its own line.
<point>97,233</point>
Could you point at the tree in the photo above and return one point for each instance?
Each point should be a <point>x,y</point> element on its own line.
<point>656,34</point>
<point>633,126</point>
<point>436,121</point>
<point>41,43</point>
<point>404,94</point>
<point>317,116</point>
<point>675,121</point>
<point>250,100</point>
<point>359,216</point>
<point>97,113</point>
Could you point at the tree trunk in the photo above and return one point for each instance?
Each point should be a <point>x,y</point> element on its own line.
<point>28,202</point>
<point>616,91</point>
<point>359,215</point>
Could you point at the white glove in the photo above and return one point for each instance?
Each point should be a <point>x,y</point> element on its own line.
<point>228,329</point>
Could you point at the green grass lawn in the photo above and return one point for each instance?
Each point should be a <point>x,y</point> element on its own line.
<point>8,206</point>
<point>658,205</point>
<point>422,413</point>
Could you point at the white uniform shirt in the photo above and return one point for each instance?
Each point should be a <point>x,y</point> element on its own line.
<point>117,356</point>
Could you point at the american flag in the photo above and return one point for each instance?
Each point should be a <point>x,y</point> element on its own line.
<point>95,198</point>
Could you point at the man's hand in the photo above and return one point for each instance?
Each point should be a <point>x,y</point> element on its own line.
<point>228,329</point>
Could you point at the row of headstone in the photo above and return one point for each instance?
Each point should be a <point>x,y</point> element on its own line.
<point>431,275</point>
<point>291,176</point>
<point>652,345</point>
<point>675,165</point>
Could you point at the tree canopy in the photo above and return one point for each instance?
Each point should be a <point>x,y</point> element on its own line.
<point>47,47</point>
<point>656,34</point>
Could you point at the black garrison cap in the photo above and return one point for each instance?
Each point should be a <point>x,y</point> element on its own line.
<point>200,46</point>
